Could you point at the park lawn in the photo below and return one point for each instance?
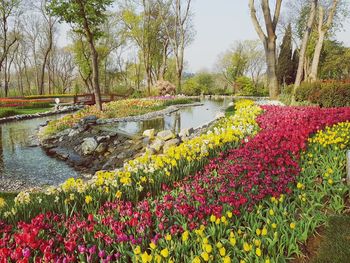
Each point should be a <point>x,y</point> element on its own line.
<point>7,112</point>
<point>335,243</point>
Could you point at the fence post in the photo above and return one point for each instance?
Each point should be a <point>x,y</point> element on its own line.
<point>348,167</point>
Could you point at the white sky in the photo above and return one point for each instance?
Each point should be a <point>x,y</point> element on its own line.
<point>219,23</point>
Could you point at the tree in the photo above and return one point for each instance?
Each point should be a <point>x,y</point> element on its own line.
<point>304,44</point>
<point>334,61</point>
<point>176,18</point>
<point>86,16</point>
<point>284,66</point>
<point>144,28</point>
<point>325,20</point>
<point>49,28</point>
<point>245,58</point>
<point>9,10</point>
<point>233,64</point>
<point>268,39</point>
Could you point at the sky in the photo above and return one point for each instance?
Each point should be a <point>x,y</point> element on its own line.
<point>219,23</point>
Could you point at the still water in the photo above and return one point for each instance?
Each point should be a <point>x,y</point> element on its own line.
<point>185,118</point>
<point>23,162</point>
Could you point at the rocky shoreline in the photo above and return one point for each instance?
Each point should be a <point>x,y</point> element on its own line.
<point>148,116</point>
<point>93,144</point>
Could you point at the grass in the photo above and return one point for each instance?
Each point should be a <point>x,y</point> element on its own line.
<point>7,112</point>
<point>335,247</point>
<point>230,111</point>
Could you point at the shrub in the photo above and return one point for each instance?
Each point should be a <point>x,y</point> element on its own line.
<point>191,87</point>
<point>245,86</point>
<point>177,102</point>
<point>332,94</point>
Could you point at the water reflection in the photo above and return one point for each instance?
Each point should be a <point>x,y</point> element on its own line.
<point>188,117</point>
<point>20,160</point>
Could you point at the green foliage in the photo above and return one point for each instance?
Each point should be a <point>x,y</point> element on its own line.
<point>81,14</point>
<point>191,87</point>
<point>286,70</point>
<point>202,83</point>
<point>334,61</point>
<point>36,105</point>
<point>333,94</point>
<point>244,86</point>
<point>179,101</point>
<point>7,112</point>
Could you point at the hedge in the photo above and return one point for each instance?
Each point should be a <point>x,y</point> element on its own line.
<point>334,94</point>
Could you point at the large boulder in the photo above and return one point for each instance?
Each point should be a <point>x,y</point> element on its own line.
<point>157,145</point>
<point>165,135</point>
<point>149,133</point>
<point>92,119</point>
<point>88,146</point>
<point>170,143</point>
<point>165,88</point>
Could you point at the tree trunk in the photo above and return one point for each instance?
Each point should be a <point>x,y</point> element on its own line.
<point>47,53</point>
<point>268,39</point>
<point>322,31</point>
<point>179,79</point>
<point>270,51</point>
<point>303,48</point>
<point>95,73</point>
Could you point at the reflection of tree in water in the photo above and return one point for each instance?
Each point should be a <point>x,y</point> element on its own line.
<point>173,123</point>
<point>177,123</point>
<point>157,124</point>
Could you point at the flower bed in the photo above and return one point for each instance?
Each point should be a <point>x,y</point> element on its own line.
<point>250,204</point>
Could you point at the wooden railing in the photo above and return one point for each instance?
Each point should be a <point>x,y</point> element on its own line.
<point>89,99</point>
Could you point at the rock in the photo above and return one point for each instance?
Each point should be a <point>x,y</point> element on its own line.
<point>184,133</point>
<point>76,159</point>
<point>122,155</point>
<point>44,124</point>
<point>101,148</point>
<point>146,141</point>
<point>220,115</point>
<point>89,146</point>
<point>149,133</point>
<point>60,152</point>
<point>92,119</point>
<point>157,145</point>
<point>165,135</point>
<point>103,138</point>
<point>231,104</point>
<point>73,133</point>
<point>170,143</point>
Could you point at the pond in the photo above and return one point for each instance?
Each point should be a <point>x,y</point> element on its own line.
<point>185,118</point>
<point>22,163</point>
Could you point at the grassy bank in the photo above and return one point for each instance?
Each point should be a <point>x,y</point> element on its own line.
<point>115,109</point>
<point>11,111</point>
